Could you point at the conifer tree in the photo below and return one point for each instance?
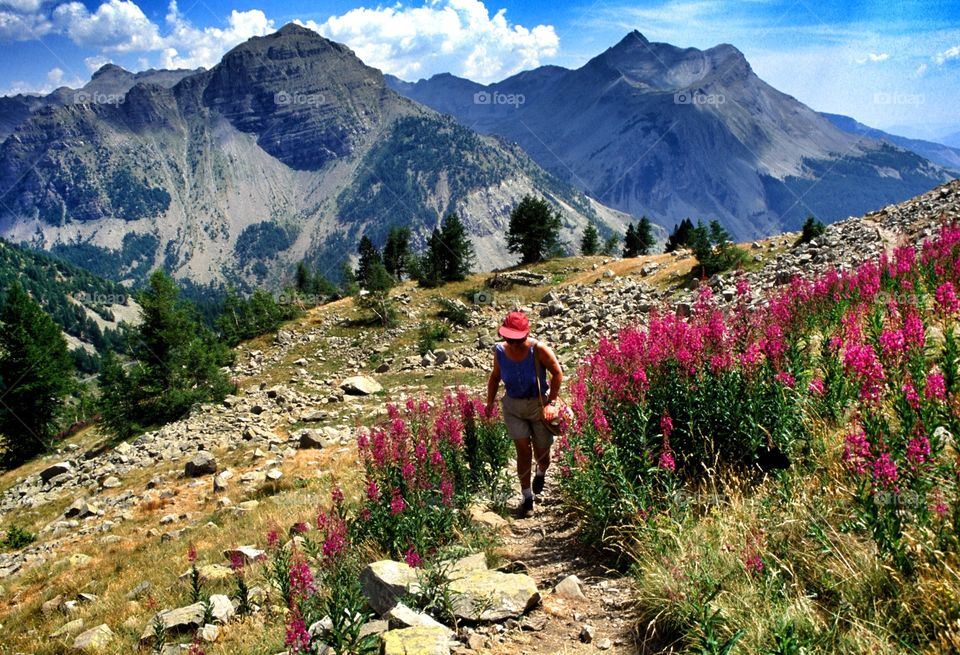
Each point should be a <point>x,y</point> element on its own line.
<point>36,374</point>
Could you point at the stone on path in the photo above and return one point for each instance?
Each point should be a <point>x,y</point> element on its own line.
<point>385,582</point>
<point>493,596</point>
<point>570,588</point>
<point>203,463</point>
<point>416,641</point>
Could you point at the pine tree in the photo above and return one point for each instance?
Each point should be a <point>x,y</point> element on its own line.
<point>177,363</point>
<point>396,252</point>
<point>432,263</point>
<point>611,245</point>
<point>36,374</point>
<point>681,235</point>
<point>590,243</point>
<point>534,230</point>
<point>631,244</point>
<point>645,239</point>
<point>457,254</point>
<point>304,278</point>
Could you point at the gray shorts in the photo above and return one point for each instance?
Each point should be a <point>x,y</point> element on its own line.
<point>524,418</point>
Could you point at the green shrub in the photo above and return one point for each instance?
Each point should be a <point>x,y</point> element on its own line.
<point>17,538</point>
<point>430,335</point>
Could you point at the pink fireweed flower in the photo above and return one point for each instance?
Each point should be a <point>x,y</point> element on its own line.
<point>236,560</point>
<point>191,553</point>
<point>336,495</point>
<point>914,334</point>
<point>446,493</point>
<point>816,387</point>
<point>911,395</point>
<point>298,637</point>
<point>300,527</point>
<point>397,504</point>
<point>753,562</point>
<point>373,491</point>
<point>408,470</point>
<point>856,452</point>
<point>743,286</point>
<point>301,579</point>
<point>436,458</point>
<point>273,538</point>
<point>412,558</point>
<point>600,422</point>
<point>786,379</point>
<point>936,388</point>
<point>666,461</point>
<point>336,540</point>
<point>918,450</point>
<point>892,343</point>
<point>860,360</point>
<point>885,470</point>
<point>666,425</point>
<point>946,295</point>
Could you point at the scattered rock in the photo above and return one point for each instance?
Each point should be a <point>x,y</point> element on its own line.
<point>203,463</point>
<point>360,385</point>
<point>53,471</point>
<point>586,633</point>
<point>493,596</point>
<point>385,582</point>
<point>94,639</point>
<point>570,588</point>
<point>416,641</point>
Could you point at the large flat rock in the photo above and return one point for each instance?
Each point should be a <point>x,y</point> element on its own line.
<point>492,595</point>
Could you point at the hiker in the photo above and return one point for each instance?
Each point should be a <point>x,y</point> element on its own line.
<point>526,395</point>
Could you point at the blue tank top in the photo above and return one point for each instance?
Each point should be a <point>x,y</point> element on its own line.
<point>519,378</point>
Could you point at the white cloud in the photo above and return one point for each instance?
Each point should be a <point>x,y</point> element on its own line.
<point>921,70</point>
<point>96,62</point>
<point>54,75</point>
<point>458,36</point>
<point>22,27</point>
<point>872,57</point>
<point>116,25</point>
<point>948,54</point>
<point>23,6</point>
<point>187,46</point>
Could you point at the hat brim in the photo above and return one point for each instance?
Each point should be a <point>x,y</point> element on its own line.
<point>510,333</point>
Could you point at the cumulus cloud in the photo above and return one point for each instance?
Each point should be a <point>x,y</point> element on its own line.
<point>54,75</point>
<point>21,27</point>
<point>948,54</point>
<point>872,57</point>
<point>187,46</point>
<point>116,25</point>
<point>459,36</point>
<point>96,62</point>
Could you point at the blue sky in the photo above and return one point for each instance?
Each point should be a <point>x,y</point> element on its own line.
<point>888,64</point>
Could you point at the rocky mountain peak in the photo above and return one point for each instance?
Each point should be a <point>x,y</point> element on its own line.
<point>110,69</point>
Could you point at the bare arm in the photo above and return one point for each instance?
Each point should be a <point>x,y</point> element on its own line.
<point>549,361</point>
<point>493,383</point>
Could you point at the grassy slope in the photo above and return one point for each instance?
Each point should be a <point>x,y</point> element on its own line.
<point>134,551</point>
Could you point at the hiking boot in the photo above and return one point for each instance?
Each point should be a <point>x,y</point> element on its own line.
<point>525,508</point>
<point>538,481</point>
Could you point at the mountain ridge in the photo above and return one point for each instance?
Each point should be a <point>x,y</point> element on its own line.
<point>257,155</point>
<point>714,140</point>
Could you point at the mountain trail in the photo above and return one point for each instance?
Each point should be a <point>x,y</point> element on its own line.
<point>604,619</point>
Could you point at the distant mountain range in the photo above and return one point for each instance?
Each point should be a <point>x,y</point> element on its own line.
<point>289,148</point>
<point>938,153</point>
<point>649,128</point>
<point>292,148</point>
